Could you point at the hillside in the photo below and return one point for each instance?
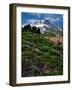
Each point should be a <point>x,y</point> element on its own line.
<point>41,56</point>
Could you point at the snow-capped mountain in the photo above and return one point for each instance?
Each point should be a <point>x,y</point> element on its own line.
<point>46,26</point>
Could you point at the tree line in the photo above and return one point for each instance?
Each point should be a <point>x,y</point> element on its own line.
<point>33,29</point>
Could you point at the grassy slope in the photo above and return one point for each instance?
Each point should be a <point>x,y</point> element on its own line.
<point>40,56</point>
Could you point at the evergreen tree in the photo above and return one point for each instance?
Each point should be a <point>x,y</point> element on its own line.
<point>34,29</point>
<point>27,28</point>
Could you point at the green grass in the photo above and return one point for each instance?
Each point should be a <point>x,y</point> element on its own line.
<point>40,57</point>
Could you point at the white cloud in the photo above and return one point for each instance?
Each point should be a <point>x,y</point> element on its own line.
<point>39,15</point>
<point>36,14</point>
<point>52,19</point>
<point>45,16</point>
<point>32,21</point>
<point>24,24</point>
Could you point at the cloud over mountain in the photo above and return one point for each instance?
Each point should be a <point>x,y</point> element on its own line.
<point>30,18</point>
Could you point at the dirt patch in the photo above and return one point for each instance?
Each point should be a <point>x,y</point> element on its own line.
<point>55,39</point>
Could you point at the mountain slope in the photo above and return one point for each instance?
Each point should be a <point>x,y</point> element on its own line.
<point>46,27</point>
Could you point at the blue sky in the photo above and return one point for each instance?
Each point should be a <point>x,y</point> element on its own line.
<point>28,18</point>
